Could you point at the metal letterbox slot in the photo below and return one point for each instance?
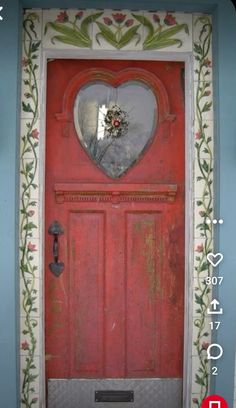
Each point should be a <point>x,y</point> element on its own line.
<point>114,396</point>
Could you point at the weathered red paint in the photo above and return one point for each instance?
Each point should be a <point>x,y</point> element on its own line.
<point>117,309</point>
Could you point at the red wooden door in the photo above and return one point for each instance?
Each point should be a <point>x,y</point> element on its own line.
<point>116,311</point>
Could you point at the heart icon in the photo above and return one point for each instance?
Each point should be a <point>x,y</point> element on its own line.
<point>214,259</point>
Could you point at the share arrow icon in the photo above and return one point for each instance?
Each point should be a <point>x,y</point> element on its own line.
<point>214,310</point>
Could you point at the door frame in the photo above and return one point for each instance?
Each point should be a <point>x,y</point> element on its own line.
<point>187,58</point>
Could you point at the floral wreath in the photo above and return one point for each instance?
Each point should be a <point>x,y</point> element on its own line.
<point>116,122</point>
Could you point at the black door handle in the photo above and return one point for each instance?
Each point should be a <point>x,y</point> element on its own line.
<point>56,267</point>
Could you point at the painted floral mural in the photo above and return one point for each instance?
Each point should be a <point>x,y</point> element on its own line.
<point>28,266</point>
<point>74,32</point>
<point>97,30</point>
<point>161,32</point>
<point>203,146</point>
<point>118,29</point>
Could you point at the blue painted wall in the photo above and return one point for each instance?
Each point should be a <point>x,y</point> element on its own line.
<point>226,191</point>
<point>225,81</point>
<point>9,39</point>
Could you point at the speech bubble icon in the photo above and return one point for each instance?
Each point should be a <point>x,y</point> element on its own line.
<point>214,357</point>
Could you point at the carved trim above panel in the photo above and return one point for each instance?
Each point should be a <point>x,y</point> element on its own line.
<point>114,193</point>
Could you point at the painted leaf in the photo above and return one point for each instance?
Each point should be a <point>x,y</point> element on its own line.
<point>88,20</point>
<point>146,23</point>
<point>157,44</point>
<point>207,107</point>
<point>197,48</point>
<point>68,40</point>
<point>170,32</point>
<point>35,46</point>
<point>128,36</point>
<point>27,107</point>
<point>107,34</point>
<point>68,32</point>
<point>163,39</point>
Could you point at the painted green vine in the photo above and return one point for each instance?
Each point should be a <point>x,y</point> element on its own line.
<point>28,171</point>
<point>202,291</point>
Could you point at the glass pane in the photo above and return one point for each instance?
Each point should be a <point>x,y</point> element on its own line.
<point>115,125</point>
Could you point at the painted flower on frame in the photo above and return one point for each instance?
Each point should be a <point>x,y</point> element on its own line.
<point>31,213</point>
<point>198,135</point>
<point>62,17</point>
<point>25,345</point>
<point>202,213</point>
<point>24,62</point>
<point>207,93</point>
<point>207,63</point>
<point>31,247</point>
<point>34,400</point>
<point>205,345</point>
<point>156,18</point>
<point>200,248</point>
<point>170,20</point>
<point>195,400</point>
<point>129,22</point>
<point>79,15</point>
<point>35,134</point>
<point>107,21</point>
<point>119,17</point>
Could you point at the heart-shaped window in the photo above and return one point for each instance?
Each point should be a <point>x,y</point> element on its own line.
<point>115,124</point>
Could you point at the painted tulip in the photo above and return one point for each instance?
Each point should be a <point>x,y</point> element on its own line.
<point>170,20</point>
<point>31,247</point>
<point>156,18</point>
<point>62,17</point>
<point>205,345</point>
<point>79,15</point>
<point>119,17</point>
<point>35,134</point>
<point>31,213</point>
<point>129,22</point>
<point>25,345</point>
<point>24,62</point>
<point>107,21</point>
<point>207,63</point>
<point>200,248</point>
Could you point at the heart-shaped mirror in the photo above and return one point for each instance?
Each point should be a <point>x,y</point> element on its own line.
<point>115,124</point>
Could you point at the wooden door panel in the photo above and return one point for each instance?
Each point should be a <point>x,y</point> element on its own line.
<point>87,267</point>
<point>143,270</point>
<point>117,309</point>
<point>115,295</point>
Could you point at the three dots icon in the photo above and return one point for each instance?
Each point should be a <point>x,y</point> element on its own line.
<point>215,221</point>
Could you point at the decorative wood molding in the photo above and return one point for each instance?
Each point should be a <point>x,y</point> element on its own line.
<point>114,193</point>
<point>116,79</point>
